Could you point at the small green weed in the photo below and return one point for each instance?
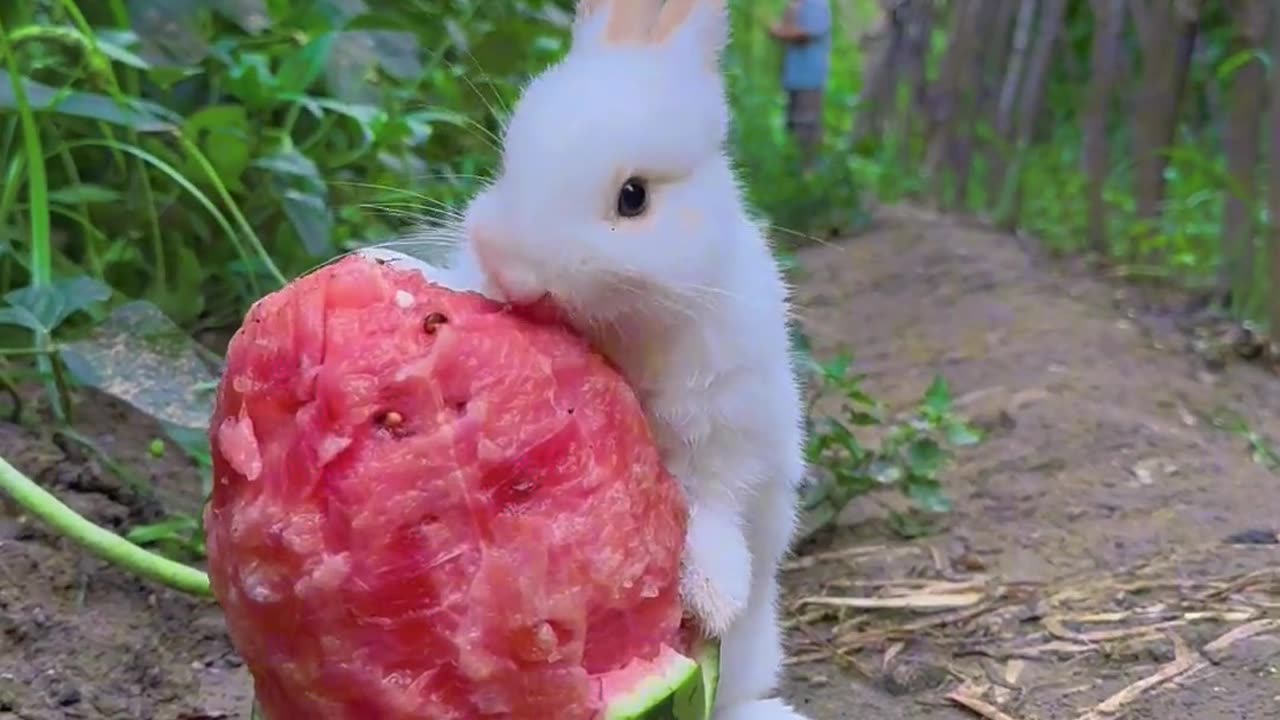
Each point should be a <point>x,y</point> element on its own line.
<point>1262,449</point>
<point>180,537</point>
<point>910,457</point>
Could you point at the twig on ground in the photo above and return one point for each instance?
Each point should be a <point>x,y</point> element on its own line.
<point>968,699</point>
<point>1244,583</point>
<point>926,602</point>
<point>1213,651</point>
<point>918,584</point>
<point>1059,621</point>
<point>1046,651</point>
<point>845,554</point>
<point>846,638</point>
<point>1184,660</point>
<point>1186,663</point>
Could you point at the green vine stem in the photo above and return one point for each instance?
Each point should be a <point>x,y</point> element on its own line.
<point>98,540</point>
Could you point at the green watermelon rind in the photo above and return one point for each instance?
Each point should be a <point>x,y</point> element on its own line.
<point>685,691</point>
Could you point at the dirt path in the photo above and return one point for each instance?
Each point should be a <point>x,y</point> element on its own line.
<point>1101,494</point>
<point>1102,500</point>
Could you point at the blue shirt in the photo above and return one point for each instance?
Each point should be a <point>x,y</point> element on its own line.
<point>805,64</point>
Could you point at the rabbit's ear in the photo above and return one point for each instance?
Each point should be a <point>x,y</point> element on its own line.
<point>615,22</point>
<point>702,25</point>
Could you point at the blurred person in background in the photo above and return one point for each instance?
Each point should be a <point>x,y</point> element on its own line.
<point>805,32</point>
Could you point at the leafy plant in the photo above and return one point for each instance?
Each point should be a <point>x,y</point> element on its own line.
<point>1263,450</point>
<point>910,456</point>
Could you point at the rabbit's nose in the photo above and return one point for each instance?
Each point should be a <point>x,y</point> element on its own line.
<point>518,287</point>
<point>513,280</point>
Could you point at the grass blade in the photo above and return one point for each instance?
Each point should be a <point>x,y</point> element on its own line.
<point>190,188</point>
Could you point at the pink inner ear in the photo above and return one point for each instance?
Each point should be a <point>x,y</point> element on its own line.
<point>630,21</point>
<point>674,14</point>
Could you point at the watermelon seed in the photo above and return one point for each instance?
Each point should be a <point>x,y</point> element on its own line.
<point>390,419</point>
<point>434,321</point>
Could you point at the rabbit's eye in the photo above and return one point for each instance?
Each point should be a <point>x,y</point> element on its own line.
<point>633,198</point>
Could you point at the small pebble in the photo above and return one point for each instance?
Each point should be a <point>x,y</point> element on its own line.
<point>68,696</point>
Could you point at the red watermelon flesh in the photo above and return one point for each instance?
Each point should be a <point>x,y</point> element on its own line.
<point>426,506</point>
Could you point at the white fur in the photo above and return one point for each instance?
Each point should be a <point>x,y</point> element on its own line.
<point>688,300</point>
<point>772,709</point>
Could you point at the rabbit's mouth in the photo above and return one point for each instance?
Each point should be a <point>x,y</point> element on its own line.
<point>545,309</point>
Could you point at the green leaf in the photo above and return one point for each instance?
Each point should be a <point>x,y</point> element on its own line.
<point>368,118</point>
<point>351,64</point>
<point>118,45</point>
<point>51,305</point>
<point>440,116</point>
<point>837,435</point>
<point>140,356</point>
<point>169,30</point>
<point>122,252</point>
<point>928,496</point>
<point>312,220</point>
<point>181,531</point>
<point>854,394</point>
<point>251,15</point>
<point>290,164</point>
<point>962,435</point>
<point>836,368</point>
<point>21,318</point>
<point>134,114</point>
<point>885,472</point>
<point>251,80</point>
<point>222,132</point>
<point>84,193</point>
<point>173,528</point>
<point>938,397</point>
<point>174,298</point>
<point>302,68</point>
<point>304,197</point>
<point>861,418</point>
<point>925,457</point>
<point>1232,64</point>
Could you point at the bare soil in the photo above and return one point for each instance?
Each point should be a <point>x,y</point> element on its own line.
<point>1106,533</point>
<point>1105,537</point>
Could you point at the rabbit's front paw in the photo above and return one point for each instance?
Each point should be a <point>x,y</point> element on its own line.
<point>715,581</point>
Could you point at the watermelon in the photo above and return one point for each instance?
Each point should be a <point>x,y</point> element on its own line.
<point>427,505</point>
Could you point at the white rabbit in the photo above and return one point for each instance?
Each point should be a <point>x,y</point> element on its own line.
<point>616,200</point>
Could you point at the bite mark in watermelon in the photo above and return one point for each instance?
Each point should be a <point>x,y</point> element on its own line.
<point>426,506</point>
